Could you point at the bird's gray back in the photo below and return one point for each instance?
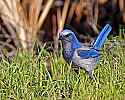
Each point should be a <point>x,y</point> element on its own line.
<point>88,64</point>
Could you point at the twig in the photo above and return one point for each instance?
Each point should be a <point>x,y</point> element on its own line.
<point>59,18</point>
<point>54,33</point>
<point>64,13</point>
<point>71,12</point>
<point>90,18</point>
<point>121,5</point>
<point>44,13</point>
<point>12,32</point>
<point>38,9</point>
<point>3,44</point>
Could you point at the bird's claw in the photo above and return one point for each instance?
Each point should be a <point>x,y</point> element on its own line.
<point>90,75</point>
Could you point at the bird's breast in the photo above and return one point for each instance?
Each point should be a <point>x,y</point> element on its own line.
<point>68,54</point>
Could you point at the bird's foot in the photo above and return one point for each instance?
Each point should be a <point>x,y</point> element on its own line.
<point>90,75</point>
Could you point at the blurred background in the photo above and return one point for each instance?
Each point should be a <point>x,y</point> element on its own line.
<point>23,23</point>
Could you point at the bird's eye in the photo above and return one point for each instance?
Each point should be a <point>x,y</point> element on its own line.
<point>67,35</point>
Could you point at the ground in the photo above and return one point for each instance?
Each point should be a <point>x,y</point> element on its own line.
<point>26,76</point>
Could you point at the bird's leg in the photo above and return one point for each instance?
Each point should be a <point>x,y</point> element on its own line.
<point>90,75</point>
<point>76,69</point>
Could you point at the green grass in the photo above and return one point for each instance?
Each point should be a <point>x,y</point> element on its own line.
<point>26,77</point>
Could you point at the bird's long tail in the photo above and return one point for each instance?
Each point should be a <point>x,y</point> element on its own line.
<point>102,37</point>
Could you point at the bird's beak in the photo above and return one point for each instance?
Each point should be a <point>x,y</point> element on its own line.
<point>59,36</point>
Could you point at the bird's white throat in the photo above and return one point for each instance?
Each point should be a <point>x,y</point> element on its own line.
<point>66,32</point>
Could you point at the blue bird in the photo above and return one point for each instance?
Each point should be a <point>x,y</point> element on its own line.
<point>82,56</point>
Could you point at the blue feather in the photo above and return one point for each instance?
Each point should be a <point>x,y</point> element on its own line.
<point>75,44</point>
<point>102,37</point>
<point>85,54</point>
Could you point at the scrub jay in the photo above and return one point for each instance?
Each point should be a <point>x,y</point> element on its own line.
<point>82,56</point>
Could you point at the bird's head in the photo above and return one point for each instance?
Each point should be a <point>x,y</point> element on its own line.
<point>68,37</point>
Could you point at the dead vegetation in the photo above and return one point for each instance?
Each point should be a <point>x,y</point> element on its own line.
<point>21,21</point>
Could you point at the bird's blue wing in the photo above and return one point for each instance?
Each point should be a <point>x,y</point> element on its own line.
<point>85,54</point>
<point>102,37</point>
